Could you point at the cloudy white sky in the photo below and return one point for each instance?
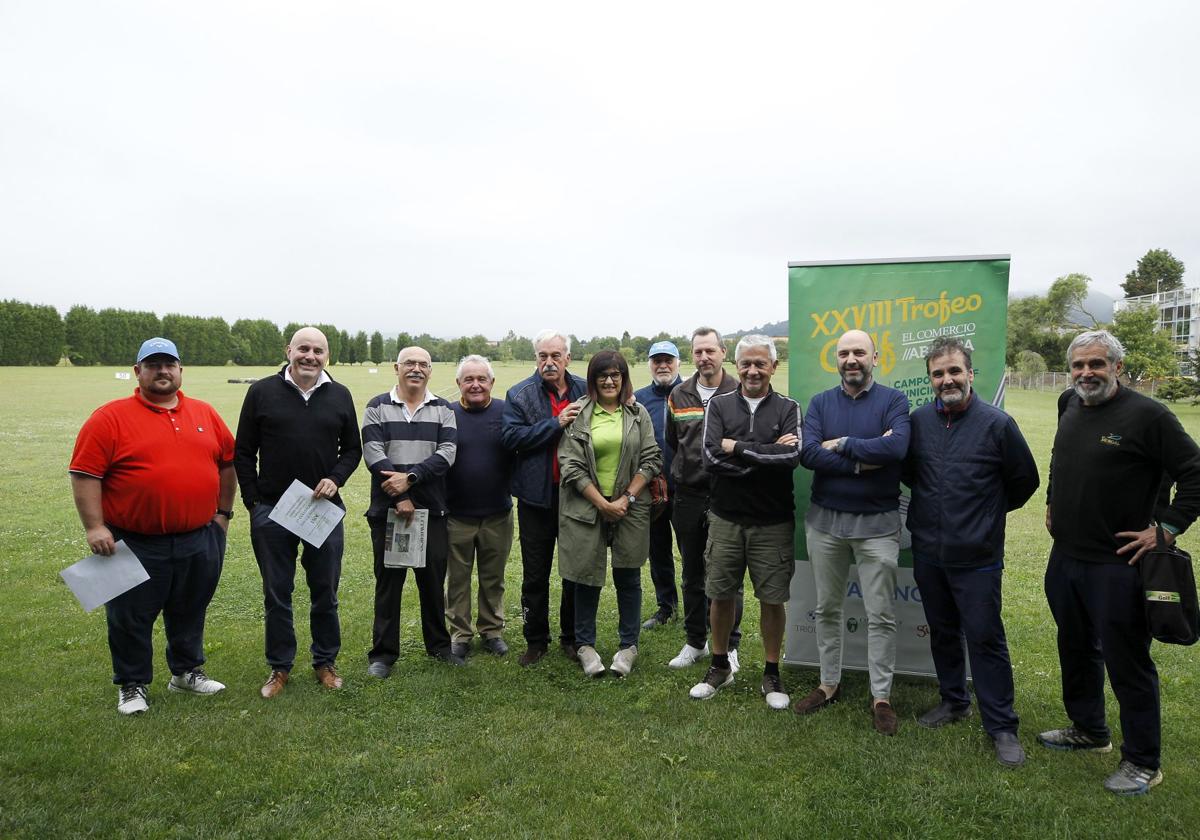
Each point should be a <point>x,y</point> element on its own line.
<point>477,167</point>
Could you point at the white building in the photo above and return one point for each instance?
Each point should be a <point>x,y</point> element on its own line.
<point>1178,314</point>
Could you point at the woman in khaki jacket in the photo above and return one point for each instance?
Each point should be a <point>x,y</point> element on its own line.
<point>606,458</point>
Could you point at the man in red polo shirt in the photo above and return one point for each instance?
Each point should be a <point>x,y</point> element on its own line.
<point>156,470</point>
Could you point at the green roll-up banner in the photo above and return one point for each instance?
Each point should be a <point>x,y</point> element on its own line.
<point>904,304</point>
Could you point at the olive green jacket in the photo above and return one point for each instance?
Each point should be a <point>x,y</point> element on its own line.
<point>582,531</point>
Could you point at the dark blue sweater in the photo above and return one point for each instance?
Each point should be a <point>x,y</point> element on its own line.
<point>839,482</point>
<point>477,484</point>
<point>654,398</point>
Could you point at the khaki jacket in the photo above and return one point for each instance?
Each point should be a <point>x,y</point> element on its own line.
<point>582,531</point>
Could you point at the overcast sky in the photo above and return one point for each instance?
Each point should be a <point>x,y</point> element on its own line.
<point>460,168</point>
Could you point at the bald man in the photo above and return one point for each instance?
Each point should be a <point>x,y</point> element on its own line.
<point>855,438</point>
<point>297,424</point>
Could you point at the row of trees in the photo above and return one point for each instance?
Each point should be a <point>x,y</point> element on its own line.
<point>33,334</point>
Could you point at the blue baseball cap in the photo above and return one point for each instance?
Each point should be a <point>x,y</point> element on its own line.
<point>155,346</point>
<point>663,348</point>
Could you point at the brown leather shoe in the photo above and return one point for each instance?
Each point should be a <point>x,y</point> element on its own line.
<point>885,718</point>
<point>328,677</point>
<point>274,684</point>
<point>531,656</point>
<point>816,700</point>
<point>571,651</point>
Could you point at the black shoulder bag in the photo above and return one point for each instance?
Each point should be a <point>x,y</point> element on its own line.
<point>1172,611</point>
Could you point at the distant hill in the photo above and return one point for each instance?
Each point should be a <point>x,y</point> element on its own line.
<point>1098,305</point>
<point>779,329</point>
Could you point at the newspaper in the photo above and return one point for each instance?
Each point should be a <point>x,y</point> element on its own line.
<point>404,542</point>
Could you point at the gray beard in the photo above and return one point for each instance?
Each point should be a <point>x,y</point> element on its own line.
<point>1098,397</point>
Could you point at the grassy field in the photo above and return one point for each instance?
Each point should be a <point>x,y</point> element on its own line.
<point>493,750</point>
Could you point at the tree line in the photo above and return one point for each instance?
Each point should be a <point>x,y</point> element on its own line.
<point>35,334</point>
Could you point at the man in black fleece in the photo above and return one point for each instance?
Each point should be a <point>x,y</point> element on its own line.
<point>1116,453</point>
<point>297,424</point>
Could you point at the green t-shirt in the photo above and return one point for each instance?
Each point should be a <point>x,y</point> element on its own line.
<point>606,442</point>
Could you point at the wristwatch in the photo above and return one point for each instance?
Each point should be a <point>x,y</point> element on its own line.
<point>632,498</point>
<point>228,514</point>
<point>412,479</point>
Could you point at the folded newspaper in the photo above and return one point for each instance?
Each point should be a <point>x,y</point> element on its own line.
<point>404,542</point>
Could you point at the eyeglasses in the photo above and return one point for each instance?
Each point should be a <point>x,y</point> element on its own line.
<point>411,364</point>
<point>610,376</point>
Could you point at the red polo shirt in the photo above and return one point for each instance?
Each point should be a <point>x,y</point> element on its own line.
<point>557,404</point>
<point>158,466</point>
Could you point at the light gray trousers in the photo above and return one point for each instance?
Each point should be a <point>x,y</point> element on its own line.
<point>877,559</point>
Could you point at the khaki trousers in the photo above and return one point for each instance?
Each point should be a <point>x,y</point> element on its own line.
<point>489,541</point>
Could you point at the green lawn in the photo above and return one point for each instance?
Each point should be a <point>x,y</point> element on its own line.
<point>494,750</point>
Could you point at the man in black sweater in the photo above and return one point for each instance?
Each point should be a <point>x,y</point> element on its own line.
<point>297,425</point>
<point>1116,453</point>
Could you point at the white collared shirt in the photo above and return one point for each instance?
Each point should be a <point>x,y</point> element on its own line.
<point>399,400</point>
<point>321,380</point>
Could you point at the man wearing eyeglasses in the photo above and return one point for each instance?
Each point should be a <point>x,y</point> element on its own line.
<point>409,441</point>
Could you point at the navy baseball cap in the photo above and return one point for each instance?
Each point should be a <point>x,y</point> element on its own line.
<point>155,346</point>
<point>663,348</point>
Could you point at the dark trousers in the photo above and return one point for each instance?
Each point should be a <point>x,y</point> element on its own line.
<point>539,531</point>
<point>690,518</point>
<point>275,549</point>
<point>966,603</point>
<point>628,583</point>
<point>389,586</point>
<point>662,563</point>
<point>1102,624</point>
<point>184,570</point>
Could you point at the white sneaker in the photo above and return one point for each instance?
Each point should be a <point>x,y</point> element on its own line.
<point>714,680</point>
<point>734,665</point>
<point>195,681</point>
<point>688,656</point>
<point>131,699</point>
<point>590,661</point>
<point>622,663</point>
<point>772,691</point>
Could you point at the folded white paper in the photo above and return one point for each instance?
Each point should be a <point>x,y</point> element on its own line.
<point>312,520</point>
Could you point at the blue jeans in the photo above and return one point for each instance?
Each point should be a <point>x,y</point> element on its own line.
<point>275,549</point>
<point>628,583</point>
<point>184,570</point>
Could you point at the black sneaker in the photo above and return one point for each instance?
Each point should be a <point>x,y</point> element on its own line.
<point>714,680</point>
<point>1132,780</point>
<point>1074,739</point>
<point>658,619</point>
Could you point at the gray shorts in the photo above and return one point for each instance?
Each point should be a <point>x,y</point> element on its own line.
<point>766,550</point>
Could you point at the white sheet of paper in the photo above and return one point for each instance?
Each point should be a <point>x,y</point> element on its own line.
<point>97,580</point>
<point>404,543</point>
<point>310,519</point>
